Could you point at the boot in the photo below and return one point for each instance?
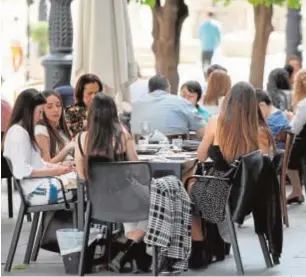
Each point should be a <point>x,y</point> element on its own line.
<point>197,259</point>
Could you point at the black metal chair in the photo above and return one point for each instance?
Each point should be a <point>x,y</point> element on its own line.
<point>117,192</point>
<point>247,174</point>
<point>26,209</point>
<point>7,175</point>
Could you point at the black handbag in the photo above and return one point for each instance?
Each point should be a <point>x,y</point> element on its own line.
<point>53,221</point>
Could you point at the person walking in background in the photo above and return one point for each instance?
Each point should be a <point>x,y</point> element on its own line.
<point>210,38</point>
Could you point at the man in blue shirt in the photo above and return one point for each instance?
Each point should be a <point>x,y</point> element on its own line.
<point>167,113</point>
<point>276,119</point>
<point>210,37</point>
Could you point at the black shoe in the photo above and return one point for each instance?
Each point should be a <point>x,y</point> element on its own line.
<point>124,256</point>
<point>296,199</point>
<point>227,248</point>
<point>143,261</point>
<point>197,259</point>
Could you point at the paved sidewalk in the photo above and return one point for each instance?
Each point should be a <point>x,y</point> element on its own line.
<point>293,261</point>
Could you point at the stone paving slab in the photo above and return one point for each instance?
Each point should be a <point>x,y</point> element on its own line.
<point>293,260</point>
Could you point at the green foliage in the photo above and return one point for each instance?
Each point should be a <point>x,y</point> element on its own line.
<point>39,34</point>
<point>150,3</point>
<point>294,4</point>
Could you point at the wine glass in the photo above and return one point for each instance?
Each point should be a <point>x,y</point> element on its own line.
<point>146,130</point>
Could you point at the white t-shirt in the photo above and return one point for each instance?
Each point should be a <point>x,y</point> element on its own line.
<point>42,130</point>
<point>139,89</point>
<point>23,156</point>
<point>299,120</point>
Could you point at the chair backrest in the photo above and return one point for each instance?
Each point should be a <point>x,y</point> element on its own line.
<point>244,184</point>
<point>290,137</point>
<point>119,191</point>
<point>5,170</point>
<point>16,181</point>
<point>66,93</point>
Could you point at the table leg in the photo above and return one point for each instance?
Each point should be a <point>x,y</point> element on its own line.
<point>80,209</point>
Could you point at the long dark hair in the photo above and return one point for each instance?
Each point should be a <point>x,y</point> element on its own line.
<point>23,111</point>
<point>54,133</point>
<point>80,86</point>
<point>104,135</point>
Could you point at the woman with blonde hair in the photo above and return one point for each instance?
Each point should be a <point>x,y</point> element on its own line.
<point>219,83</point>
<point>298,127</point>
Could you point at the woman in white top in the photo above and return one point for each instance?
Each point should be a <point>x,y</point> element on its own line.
<point>21,149</point>
<point>52,134</point>
<point>298,126</point>
<point>219,83</point>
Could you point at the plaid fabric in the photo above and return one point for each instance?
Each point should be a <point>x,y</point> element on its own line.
<point>169,226</point>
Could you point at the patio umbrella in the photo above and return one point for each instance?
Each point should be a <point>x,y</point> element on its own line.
<point>103,46</point>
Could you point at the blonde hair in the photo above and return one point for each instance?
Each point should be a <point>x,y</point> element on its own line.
<point>299,91</point>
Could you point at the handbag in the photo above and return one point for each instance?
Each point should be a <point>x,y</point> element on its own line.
<point>211,195</point>
<point>53,221</point>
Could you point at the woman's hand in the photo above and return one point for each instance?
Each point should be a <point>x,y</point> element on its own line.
<point>289,115</point>
<point>70,146</point>
<point>62,169</point>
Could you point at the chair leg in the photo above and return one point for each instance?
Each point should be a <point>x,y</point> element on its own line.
<point>31,239</point>
<point>15,239</point>
<point>234,241</point>
<point>283,199</point>
<point>75,216</point>
<point>155,261</point>
<point>37,241</point>
<point>29,218</point>
<point>265,251</point>
<point>108,249</point>
<point>10,197</point>
<point>85,239</point>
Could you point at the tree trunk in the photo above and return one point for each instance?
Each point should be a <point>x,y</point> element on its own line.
<point>293,33</point>
<point>263,29</point>
<point>167,26</point>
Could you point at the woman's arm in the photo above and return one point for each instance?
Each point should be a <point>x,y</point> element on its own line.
<point>44,146</point>
<point>79,160</point>
<point>208,139</point>
<point>129,145</point>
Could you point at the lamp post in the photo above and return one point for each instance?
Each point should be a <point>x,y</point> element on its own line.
<point>59,62</point>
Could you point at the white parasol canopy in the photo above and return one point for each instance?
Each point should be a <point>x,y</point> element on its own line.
<point>103,46</point>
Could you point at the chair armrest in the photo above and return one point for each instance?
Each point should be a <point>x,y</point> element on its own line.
<point>56,178</point>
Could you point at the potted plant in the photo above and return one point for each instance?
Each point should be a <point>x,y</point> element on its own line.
<point>39,34</point>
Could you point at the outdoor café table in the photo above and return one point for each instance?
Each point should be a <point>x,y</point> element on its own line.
<point>176,164</point>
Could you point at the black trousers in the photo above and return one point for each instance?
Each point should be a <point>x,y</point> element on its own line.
<point>206,58</point>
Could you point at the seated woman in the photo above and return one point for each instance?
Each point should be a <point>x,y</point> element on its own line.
<point>86,88</point>
<point>109,140</point>
<point>235,132</point>
<point>219,83</point>
<point>192,92</point>
<point>51,133</point>
<point>21,148</point>
<point>298,126</point>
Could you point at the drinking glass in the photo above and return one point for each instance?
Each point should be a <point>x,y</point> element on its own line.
<point>146,130</point>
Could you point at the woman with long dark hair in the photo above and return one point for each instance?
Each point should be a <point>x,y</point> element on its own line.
<point>21,148</point>
<point>86,88</point>
<point>52,134</point>
<point>236,131</point>
<point>107,139</point>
